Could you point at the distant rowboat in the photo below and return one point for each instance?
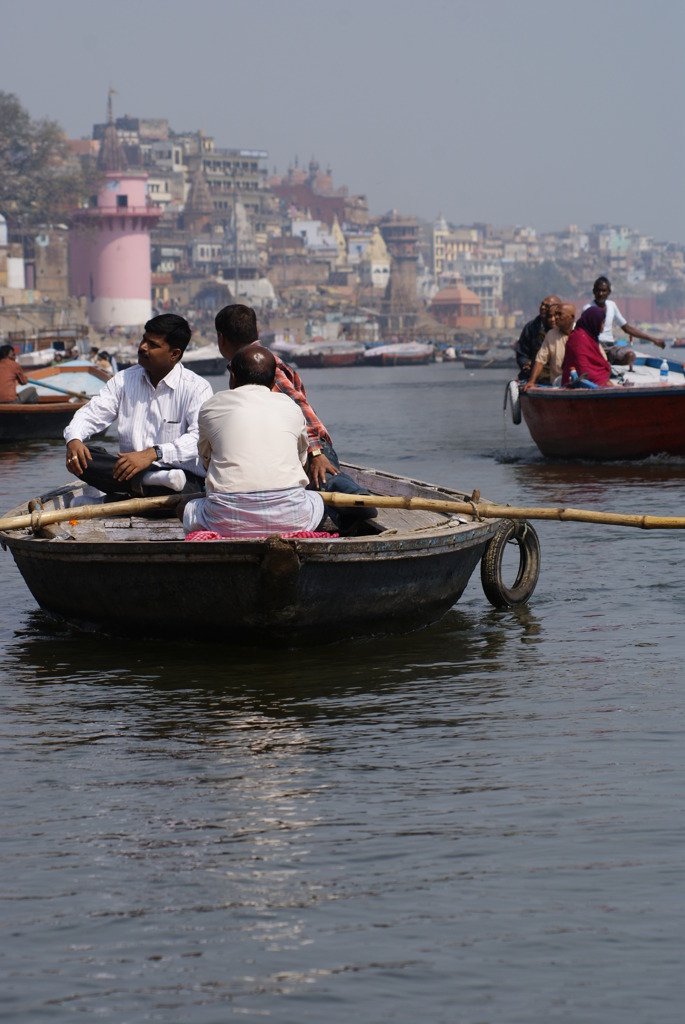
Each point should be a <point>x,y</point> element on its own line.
<point>493,359</point>
<point>408,353</point>
<point>47,418</point>
<point>207,361</point>
<point>329,355</point>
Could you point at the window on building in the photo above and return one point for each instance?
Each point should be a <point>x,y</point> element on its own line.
<point>122,201</point>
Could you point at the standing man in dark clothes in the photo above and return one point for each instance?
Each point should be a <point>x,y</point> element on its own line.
<point>533,335</point>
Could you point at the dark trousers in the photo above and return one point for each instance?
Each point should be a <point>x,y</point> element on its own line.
<point>100,474</point>
<point>341,483</point>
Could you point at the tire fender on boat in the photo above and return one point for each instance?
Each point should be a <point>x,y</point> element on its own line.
<point>511,395</point>
<point>496,591</point>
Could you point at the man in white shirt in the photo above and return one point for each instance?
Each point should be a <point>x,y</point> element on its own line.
<point>617,350</point>
<point>253,444</point>
<point>156,404</point>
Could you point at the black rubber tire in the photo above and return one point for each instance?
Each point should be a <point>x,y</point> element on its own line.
<point>511,395</point>
<point>497,593</point>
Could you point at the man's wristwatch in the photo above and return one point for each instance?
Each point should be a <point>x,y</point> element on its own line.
<point>158,451</point>
<point>314,452</point>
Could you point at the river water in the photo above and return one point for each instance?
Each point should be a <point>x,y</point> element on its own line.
<point>481,822</point>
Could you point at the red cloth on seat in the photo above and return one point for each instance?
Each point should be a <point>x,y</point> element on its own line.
<point>303,534</point>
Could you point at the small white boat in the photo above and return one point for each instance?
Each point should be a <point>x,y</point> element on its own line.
<point>406,353</point>
<point>207,361</point>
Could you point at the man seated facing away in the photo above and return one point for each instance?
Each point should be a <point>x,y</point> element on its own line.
<point>253,444</point>
<point>236,329</point>
<point>618,352</point>
<point>550,359</point>
<point>156,403</point>
<point>12,374</point>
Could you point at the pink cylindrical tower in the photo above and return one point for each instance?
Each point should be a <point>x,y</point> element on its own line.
<point>110,252</point>
<point>109,244</point>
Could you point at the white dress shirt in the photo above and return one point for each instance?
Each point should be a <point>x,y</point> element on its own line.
<point>166,415</point>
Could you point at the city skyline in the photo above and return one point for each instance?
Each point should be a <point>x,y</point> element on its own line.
<point>535,113</point>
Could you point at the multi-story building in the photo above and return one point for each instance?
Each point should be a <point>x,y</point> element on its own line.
<point>311,194</point>
<point>483,278</point>
<point>450,243</point>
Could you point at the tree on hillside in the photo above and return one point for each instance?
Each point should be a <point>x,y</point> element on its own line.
<point>37,184</point>
<point>526,285</point>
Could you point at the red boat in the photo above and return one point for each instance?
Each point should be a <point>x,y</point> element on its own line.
<point>643,414</point>
<point>313,356</point>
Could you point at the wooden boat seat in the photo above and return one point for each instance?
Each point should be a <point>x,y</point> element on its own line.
<point>403,520</point>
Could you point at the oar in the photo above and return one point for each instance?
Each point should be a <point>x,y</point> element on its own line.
<point>53,387</point>
<point>474,508</point>
<point>488,511</point>
<point>105,511</point>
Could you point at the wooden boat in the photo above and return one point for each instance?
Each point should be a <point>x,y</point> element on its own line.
<point>406,571</point>
<point>493,359</point>
<point>325,356</point>
<point>47,418</point>
<point>206,361</point>
<point>408,353</point>
<point>38,348</point>
<point>607,423</point>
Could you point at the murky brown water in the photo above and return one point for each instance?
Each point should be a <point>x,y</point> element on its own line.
<point>479,822</point>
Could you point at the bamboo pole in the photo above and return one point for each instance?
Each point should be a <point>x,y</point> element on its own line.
<point>105,511</point>
<point>485,510</point>
<point>476,508</point>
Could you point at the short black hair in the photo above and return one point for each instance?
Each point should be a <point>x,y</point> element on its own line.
<point>173,328</point>
<point>602,280</point>
<point>5,351</point>
<point>237,323</point>
<point>254,365</point>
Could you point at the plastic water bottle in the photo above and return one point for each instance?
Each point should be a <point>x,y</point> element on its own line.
<point>573,377</point>
<point>663,372</point>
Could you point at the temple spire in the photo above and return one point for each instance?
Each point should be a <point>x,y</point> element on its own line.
<point>111,156</point>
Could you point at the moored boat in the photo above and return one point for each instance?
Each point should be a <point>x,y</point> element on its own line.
<point>207,361</point>
<point>492,359</point>
<point>406,571</point>
<point>407,353</point>
<point>619,422</point>
<point>325,356</point>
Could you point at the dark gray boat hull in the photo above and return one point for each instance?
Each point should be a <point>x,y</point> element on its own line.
<point>273,591</point>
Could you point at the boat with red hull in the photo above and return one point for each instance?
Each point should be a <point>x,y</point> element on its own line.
<point>608,423</point>
<point>326,356</point>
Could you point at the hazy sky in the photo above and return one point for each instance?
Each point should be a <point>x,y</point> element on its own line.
<point>536,112</point>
